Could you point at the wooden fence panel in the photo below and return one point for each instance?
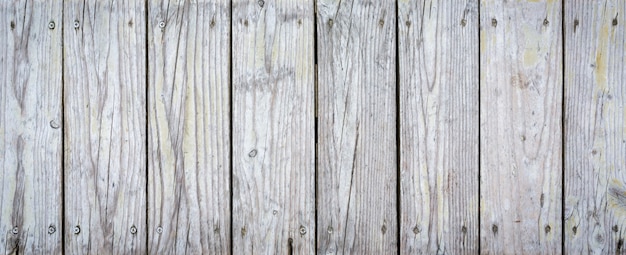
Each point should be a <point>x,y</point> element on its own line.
<point>105,135</point>
<point>520,127</point>
<point>273,127</point>
<point>595,127</point>
<point>357,133</point>
<point>438,73</point>
<point>189,127</point>
<point>30,127</point>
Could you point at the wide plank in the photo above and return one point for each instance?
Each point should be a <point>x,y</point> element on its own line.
<point>105,127</point>
<point>438,74</point>
<point>189,127</point>
<point>520,127</point>
<point>273,127</point>
<point>357,175</point>
<point>31,127</point>
<point>595,127</point>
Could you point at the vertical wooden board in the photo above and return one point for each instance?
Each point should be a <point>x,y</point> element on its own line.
<point>438,74</point>
<point>520,127</point>
<point>357,145</point>
<point>105,120</point>
<point>189,134</point>
<point>30,127</point>
<point>595,127</point>
<point>273,127</point>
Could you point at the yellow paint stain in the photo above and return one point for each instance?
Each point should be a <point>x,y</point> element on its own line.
<point>483,42</point>
<point>530,57</point>
<point>601,72</point>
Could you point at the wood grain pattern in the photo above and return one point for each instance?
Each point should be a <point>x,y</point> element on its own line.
<point>357,161</point>
<point>105,119</point>
<point>438,73</point>
<point>273,127</point>
<point>30,127</point>
<point>595,127</point>
<point>520,127</point>
<point>189,133</point>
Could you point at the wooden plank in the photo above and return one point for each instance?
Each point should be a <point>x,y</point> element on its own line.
<point>357,145</point>
<point>520,127</point>
<point>595,124</point>
<point>30,127</point>
<point>273,127</point>
<point>105,118</point>
<point>438,74</point>
<point>189,134</point>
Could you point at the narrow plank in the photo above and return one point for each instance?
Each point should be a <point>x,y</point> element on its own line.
<point>105,118</point>
<point>595,124</point>
<point>273,127</point>
<point>438,74</point>
<point>189,134</point>
<point>30,127</point>
<point>357,163</point>
<point>520,127</point>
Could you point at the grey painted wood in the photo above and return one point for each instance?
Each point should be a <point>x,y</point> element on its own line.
<point>105,127</point>
<point>189,133</point>
<point>520,127</point>
<point>595,127</point>
<point>273,127</point>
<point>30,127</point>
<point>357,173</point>
<point>438,74</point>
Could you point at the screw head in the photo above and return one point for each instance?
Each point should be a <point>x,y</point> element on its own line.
<point>161,24</point>
<point>159,230</point>
<point>302,230</point>
<point>52,229</point>
<point>133,230</point>
<point>51,25</point>
<point>15,230</point>
<point>261,3</point>
<point>76,24</point>
<point>76,230</point>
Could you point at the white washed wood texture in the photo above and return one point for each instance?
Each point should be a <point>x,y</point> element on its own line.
<point>30,127</point>
<point>357,173</point>
<point>438,73</point>
<point>189,133</point>
<point>273,127</point>
<point>520,127</point>
<point>105,127</point>
<point>595,127</point>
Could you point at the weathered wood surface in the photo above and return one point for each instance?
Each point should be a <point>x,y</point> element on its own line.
<point>357,171</point>
<point>520,127</point>
<point>273,127</point>
<point>30,127</point>
<point>438,74</point>
<point>595,127</point>
<point>104,75</point>
<point>189,132</point>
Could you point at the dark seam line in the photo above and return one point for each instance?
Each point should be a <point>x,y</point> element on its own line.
<point>479,135</point>
<point>147,21</point>
<point>62,223</point>
<point>230,123</point>
<point>398,140</point>
<point>563,112</point>
<point>315,108</point>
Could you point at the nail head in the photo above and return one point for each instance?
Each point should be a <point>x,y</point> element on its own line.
<point>15,230</point>
<point>133,230</point>
<point>261,3</point>
<point>52,229</point>
<point>51,25</point>
<point>76,230</point>
<point>76,24</point>
<point>302,230</point>
<point>159,230</point>
<point>161,24</point>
